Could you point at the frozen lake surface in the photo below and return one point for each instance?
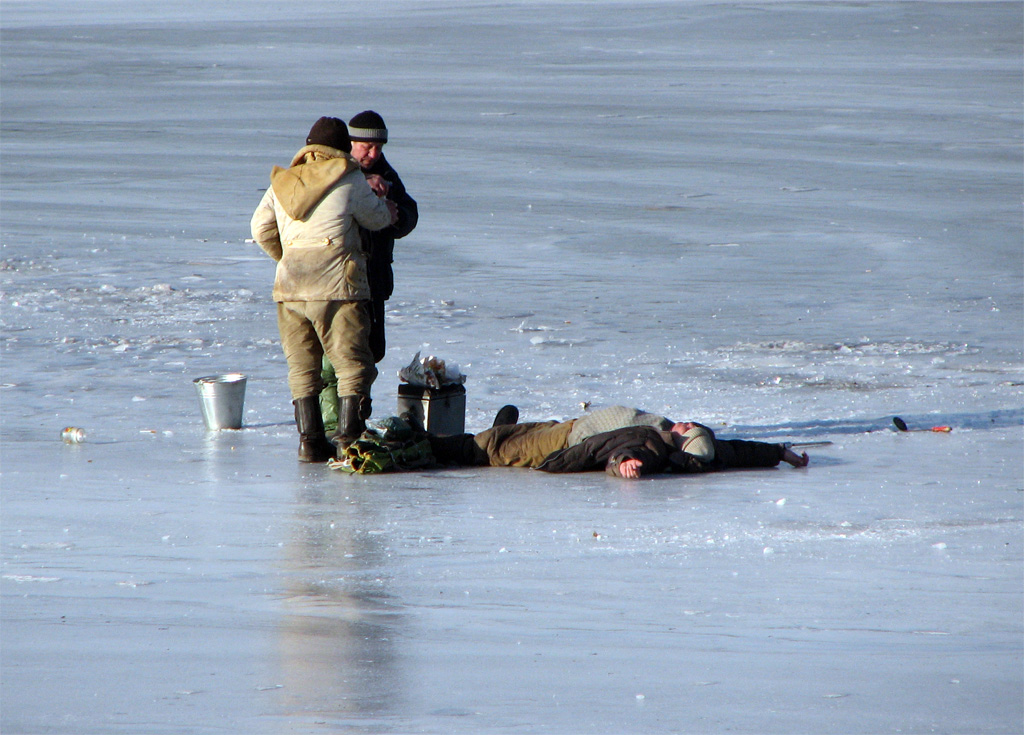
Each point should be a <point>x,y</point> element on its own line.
<point>790,220</point>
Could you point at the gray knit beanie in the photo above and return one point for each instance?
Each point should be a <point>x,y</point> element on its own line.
<point>697,441</point>
<point>368,127</point>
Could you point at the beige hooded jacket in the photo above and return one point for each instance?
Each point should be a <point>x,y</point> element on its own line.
<point>308,221</point>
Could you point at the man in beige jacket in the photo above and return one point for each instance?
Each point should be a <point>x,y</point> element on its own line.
<point>308,221</point>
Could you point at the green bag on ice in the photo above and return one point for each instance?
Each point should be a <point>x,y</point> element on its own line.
<point>392,446</point>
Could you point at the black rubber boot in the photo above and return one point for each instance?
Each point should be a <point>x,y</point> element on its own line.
<point>313,444</point>
<point>506,415</point>
<point>353,411</point>
<point>459,449</point>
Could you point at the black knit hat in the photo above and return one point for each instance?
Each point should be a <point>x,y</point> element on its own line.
<point>331,132</point>
<point>368,127</point>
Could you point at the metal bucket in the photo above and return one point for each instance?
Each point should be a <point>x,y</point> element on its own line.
<point>221,398</point>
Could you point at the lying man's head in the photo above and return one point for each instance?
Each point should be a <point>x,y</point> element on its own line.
<point>694,439</point>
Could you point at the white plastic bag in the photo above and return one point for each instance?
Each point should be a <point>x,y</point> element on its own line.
<point>431,372</point>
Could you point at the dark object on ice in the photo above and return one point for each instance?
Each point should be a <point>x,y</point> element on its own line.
<point>457,449</point>
<point>313,444</point>
<point>902,426</point>
<point>441,411</point>
<point>506,415</point>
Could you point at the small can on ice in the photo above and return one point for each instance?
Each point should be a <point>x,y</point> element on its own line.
<point>73,435</point>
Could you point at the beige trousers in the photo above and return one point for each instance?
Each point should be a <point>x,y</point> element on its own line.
<point>339,329</point>
<point>523,445</point>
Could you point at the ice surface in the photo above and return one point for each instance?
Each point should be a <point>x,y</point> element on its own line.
<point>790,220</point>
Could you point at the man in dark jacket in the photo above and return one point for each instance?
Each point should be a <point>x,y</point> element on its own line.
<point>368,134</point>
<point>629,452</point>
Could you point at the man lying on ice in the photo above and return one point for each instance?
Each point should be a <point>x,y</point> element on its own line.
<point>642,444</point>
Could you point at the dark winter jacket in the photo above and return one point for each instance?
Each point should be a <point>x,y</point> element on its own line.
<point>380,245</point>
<point>607,450</point>
<point>658,453</point>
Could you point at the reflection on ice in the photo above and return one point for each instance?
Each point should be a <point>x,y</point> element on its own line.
<point>338,627</point>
